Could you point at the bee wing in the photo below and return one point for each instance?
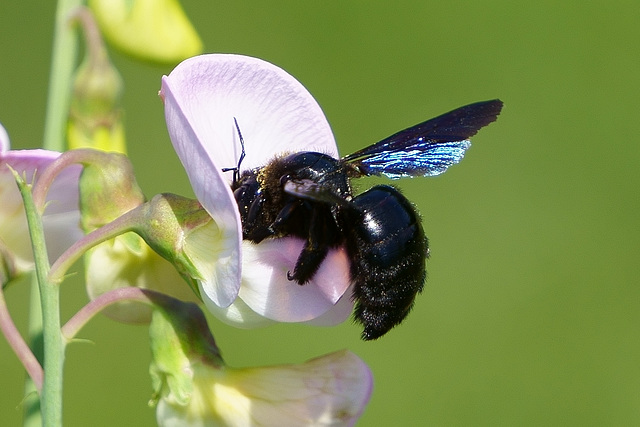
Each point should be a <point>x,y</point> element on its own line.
<point>311,190</point>
<point>428,148</point>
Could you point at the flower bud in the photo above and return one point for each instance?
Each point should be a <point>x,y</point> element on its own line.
<point>182,232</point>
<point>125,261</point>
<point>150,30</point>
<point>95,117</point>
<point>108,188</point>
<point>9,269</point>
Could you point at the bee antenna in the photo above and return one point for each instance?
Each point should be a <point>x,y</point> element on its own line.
<point>236,170</point>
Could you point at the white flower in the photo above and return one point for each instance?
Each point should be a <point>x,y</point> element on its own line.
<point>204,96</point>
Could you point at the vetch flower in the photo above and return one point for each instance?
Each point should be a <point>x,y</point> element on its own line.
<point>194,387</point>
<point>61,218</point>
<point>204,97</point>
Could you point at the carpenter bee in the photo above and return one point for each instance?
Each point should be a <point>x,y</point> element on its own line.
<point>308,195</point>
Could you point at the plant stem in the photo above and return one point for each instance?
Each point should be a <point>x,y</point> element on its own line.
<point>32,416</point>
<point>53,344</point>
<point>63,61</point>
<point>18,345</point>
<point>86,313</point>
<point>120,225</point>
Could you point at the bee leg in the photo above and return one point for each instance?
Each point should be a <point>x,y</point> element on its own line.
<point>283,216</point>
<point>313,253</point>
<point>308,263</point>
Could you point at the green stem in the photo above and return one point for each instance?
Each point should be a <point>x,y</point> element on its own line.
<point>53,344</point>
<point>18,345</point>
<point>125,223</point>
<point>63,62</point>
<point>32,416</point>
<point>86,313</point>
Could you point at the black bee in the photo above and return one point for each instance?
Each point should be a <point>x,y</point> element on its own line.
<point>308,195</point>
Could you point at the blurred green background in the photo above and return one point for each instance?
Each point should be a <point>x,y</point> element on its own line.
<point>531,314</point>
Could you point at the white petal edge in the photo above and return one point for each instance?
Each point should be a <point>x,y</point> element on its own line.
<point>214,193</point>
<point>275,113</point>
<point>5,143</point>
<point>238,314</point>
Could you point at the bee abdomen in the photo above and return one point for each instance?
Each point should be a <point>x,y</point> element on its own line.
<point>388,249</point>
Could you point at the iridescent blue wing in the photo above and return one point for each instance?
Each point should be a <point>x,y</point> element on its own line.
<point>428,148</point>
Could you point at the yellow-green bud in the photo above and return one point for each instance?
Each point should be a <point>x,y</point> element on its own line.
<point>95,116</point>
<point>182,232</point>
<point>108,189</point>
<point>150,30</point>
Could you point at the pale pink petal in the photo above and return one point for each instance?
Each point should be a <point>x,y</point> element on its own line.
<point>267,291</point>
<point>214,193</point>
<point>340,312</point>
<point>61,219</point>
<point>267,296</point>
<point>275,114</point>
<point>331,390</point>
<point>4,139</point>
<point>238,314</point>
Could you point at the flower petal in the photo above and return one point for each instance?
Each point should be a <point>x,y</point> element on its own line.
<point>331,390</point>
<point>275,113</point>
<point>61,219</point>
<point>338,313</point>
<point>267,291</point>
<point>214,194</point>
<point>238,314</point>
<point>204,97</point>
<point>4,139</point>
